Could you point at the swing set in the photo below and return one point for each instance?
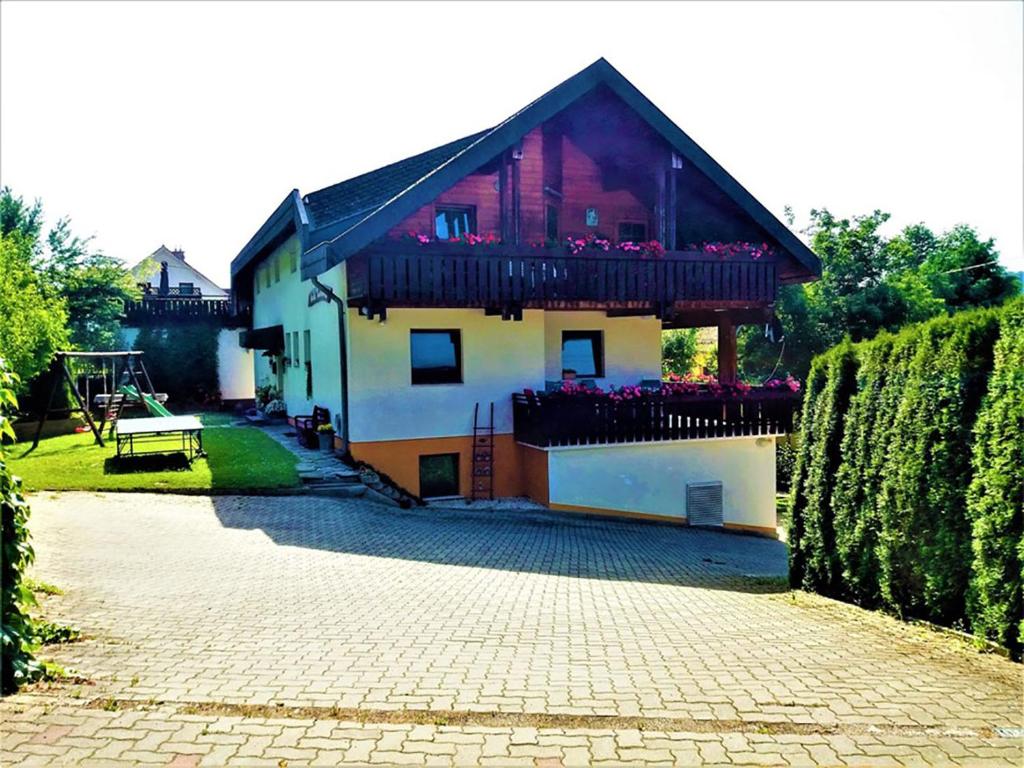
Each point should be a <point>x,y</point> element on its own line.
<point>131,389</point>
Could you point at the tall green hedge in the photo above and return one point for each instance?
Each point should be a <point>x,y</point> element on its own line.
<point>863,445</point>
<point>880,495</point>
<point>829,390</point>
<point>181,360</point>
<point>995,499</point>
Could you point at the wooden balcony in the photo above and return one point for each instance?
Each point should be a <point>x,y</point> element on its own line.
<point>167,310</point>
<point>547,420</point>
<point>501,277</point>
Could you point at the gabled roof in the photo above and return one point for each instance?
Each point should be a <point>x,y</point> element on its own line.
<point>344,218</point>
<point>146,268</point>
<point>364,193</point>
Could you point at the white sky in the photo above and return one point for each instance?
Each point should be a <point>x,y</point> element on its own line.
<point>187,124</point>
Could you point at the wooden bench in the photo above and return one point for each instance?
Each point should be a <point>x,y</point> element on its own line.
<point>305,426</point>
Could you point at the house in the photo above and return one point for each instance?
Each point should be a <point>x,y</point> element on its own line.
<point>198,316</point>
<point>182,278</point>
<point>547,252</point>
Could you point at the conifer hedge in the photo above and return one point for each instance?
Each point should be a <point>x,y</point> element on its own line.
<point>909,484</point>
<point>995,499</point>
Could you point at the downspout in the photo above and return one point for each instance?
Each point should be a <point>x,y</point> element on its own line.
<point>342,357</point>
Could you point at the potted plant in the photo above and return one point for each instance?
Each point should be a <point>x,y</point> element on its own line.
<point>325,435</point>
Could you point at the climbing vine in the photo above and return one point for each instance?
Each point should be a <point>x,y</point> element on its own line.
<point>17,664</point>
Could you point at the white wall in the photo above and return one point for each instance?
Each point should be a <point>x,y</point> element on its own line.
<point>286,302</point>
<point>181,272</point>
<point>234,363</point>
<point>651,478</point>
<point>234,367</point>
<point>632,345</point>
<point>499,357</point>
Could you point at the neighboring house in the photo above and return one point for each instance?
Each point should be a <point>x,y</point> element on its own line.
<point>183,279</point>
<point>363,303</point>
<point>179,298</point>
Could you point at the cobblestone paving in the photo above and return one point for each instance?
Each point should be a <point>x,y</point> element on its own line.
<point>199,610</point>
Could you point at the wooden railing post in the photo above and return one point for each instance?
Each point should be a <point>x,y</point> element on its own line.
<point>727,367</point>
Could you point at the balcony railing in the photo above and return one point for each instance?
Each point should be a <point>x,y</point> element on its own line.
<point>500,276</point>
<point>159,310</point>
<point>173,292</point>
<point>547,420</point>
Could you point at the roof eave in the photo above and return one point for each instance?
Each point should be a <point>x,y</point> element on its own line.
<point>290,211</point>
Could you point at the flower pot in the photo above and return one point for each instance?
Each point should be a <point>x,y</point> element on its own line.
<point>326,440</point>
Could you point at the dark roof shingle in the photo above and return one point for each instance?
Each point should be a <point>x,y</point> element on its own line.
<point>371,190</point>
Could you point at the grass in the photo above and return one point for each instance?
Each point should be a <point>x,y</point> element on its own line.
<point>239,459</point>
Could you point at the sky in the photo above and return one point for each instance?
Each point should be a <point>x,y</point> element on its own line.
<point>186,124</point>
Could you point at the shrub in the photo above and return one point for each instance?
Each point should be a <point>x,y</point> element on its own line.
<point>182,360</point>
<point>817,543</point>
<point>863,447</point>
<point>17,664</point>
<point>800,482</point>
<point>924,547</point>
<point>995,499</point>
<point>894,433</point>
<point>785,462</point>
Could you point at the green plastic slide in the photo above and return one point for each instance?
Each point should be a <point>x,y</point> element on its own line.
<point>154,408</point>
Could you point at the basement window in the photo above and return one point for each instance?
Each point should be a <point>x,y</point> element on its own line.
<point>455,221</point>
<point>436,357</point>
<point>439,475</point>
<point>583,354</point>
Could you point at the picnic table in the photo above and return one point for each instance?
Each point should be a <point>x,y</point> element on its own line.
<point>151,435</point>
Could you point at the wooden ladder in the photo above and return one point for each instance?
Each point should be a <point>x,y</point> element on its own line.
<point>483,456</point>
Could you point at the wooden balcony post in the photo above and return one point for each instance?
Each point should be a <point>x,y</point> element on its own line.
<point>726,350</point>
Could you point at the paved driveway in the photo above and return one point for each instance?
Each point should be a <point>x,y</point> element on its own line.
<point>529,637</point>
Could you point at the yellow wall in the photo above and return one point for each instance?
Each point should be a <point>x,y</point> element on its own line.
<point>499,357</point>
<point>632,345</point>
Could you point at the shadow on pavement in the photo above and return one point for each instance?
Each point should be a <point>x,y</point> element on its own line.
<point>554,543</point>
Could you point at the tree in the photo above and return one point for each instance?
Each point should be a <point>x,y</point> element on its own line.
<point>92,286</point>
<point>678,351</point>
<point>95,286</point>
<point>33,320</point>
<point>870,283</point>
<point>964,271</point>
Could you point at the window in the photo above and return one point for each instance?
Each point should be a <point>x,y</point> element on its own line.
<point>439,475</point>
<point>583,354</point>
<point>295,348</point>
<point>266,274</point>
<point>256,282</point>
<point>288,349</point>
<point>551,223</point>
<point>436,357</point>
<point>293,259</point>
<point>309,364</point>
<point>186,289</point>
<point>454,221</point>
<point>277,270</point>
<point>632,232</point>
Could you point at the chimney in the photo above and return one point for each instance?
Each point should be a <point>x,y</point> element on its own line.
<point>178,254</point>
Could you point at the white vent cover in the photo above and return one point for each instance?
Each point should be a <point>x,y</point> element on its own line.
<point>704,504</point>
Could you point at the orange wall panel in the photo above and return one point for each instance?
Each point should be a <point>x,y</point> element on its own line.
<point>400,459</point>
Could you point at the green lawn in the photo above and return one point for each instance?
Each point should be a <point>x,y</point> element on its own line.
<point>239,459</point>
